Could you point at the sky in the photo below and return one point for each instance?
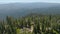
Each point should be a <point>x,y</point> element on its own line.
<point>28,1</point>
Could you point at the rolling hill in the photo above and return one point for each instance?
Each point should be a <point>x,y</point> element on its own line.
<point>22,9</point>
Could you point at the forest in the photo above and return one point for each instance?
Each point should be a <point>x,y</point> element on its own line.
<point>31,24</point>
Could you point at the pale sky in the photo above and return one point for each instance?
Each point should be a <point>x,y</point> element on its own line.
<point>27,1</point>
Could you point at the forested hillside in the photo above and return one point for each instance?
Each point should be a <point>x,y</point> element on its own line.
<point>30,18</point>
<point>31,24</point>
<point>22,9</point>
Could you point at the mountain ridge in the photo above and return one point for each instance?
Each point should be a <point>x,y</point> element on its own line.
<point>21,9</point>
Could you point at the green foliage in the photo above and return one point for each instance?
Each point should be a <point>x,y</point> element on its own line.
<point>33,24</point>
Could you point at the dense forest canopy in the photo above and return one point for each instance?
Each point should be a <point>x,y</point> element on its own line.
<point>30,18</point>
<point>31,24</point>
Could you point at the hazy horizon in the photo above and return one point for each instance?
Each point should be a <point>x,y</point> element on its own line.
<point>28,1</point>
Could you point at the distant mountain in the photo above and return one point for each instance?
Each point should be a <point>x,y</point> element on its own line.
<point>22,9</point>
